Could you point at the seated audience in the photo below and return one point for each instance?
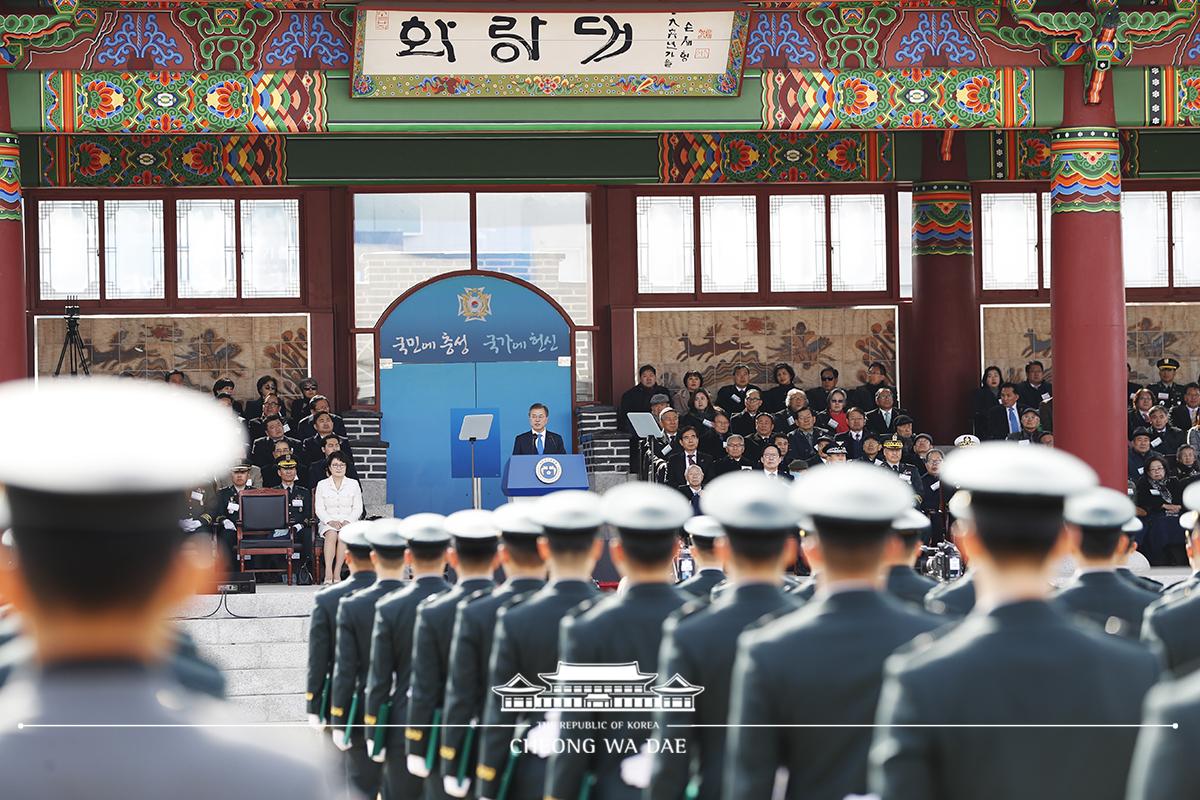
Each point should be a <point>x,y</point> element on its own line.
<point>311,449</point>
<point>985,398</point>
<point>734,459</point>
<point>833,418</point>
<point>318,470</point>
<point>785,420</point>
<point>261,451</point>
<point>1139,414</point>
<point>852,439</point>
<point>1033,391</point>
<point>693,486</point>
<point>818,396</point>
<point>686,456</point>
<point>1006,417</point>
<point>681,400</point>
<point>1164,438</point>
<point>743,423</point>
<point>1158,503</point>
<point>637,399</point>
<point>775,398</point>
<point>732,397</point>
<point>699,412</point>
<point>877,378</point>
<point>266,385</point>
<point>1139,451</point>
<point>764,430</point>
<point>337,502</point>
<point>308,390</point>
<point>882,420</point>
<point>1030,432</point>
<point>1186,470</point>
<point>770,465</point>
<point>316,405</point>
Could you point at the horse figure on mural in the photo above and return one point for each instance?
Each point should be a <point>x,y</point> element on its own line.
<point>1036,346</point>
<point>710,348</point>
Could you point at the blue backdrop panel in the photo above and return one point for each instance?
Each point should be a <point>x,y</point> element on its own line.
<point>416,425</point>
<point>513,387</point>
<point>487,452</point>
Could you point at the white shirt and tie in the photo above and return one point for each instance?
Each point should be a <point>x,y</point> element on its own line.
<point>1014,423</point>
<point>539,441</point>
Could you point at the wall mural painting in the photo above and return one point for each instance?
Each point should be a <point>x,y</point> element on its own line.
<point>203,348</point>
<point>713,342</point>
<point>1013,335</point>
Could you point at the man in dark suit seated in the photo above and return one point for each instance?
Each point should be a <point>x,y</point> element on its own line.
<point>734,460</point>
<point>1031,422</point>
<point>318,403</point>
<point>882,419</point>
<point>317,470</point>
<point>803,441</point>
<point>693,486</point>
<point>537,440</point>
<point>687,455</point>
<point>1005,418</point>
<point>1187,414</point>
<point>262,452</point>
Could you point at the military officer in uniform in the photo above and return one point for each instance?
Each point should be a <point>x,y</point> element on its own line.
<point>475,537</point>
<point>703,531</point>
<point>1165,766</point>
<point>391,653</point>
<point>1166,392</point>
<point>471,642</point>
<point>1095,591</point>
<point>198,517</point>
<point>352,653</point>
<point>822,665</point>
<point>1020,662</point>
<point>228,511</point>
<point>100,566</point>
<point>622,628</point>
<point>954,598</point>
<point>526,641</point>
<point>901,578</point>
<point>700,640</point>
<point>893,459</point>
<point>322,623</point>
<point>1172,621</point>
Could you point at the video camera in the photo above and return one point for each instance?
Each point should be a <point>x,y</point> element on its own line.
<point>941,562</point>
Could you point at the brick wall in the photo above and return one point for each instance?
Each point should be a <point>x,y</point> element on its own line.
<point>370,451</point>
<point>605,449</point>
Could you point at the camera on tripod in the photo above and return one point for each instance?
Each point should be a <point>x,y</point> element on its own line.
<point>73,353</point>
<point>941,562</point>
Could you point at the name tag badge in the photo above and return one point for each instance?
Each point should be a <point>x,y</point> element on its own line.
<point>1163,395</point>
<point>298,503</point>
<point>1156,441</point>
<point>286,427</point>
<point>906,476</point>
<point>748,468</point>
<point>737,398</point>
<point>708,423</point>
<point>1141,470</point>
<point>232,508</point>
<point>1022,441</point>
<point>1155,492</point>
<point>933,487</point>
<point>666,450</point>
<point>1045,397</point>
<point>198,496</point>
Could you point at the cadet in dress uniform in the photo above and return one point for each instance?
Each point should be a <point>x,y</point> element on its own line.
<point>100,566</point>
<point>1165,766</point>
<point>1166,392</point>
<point>954,598</point>
<point>526,641</point>
<point>1171,622</point>
<point>322,623</point>
<point>620,629</point>
<point>391,653</point>
<point>475,537</point>
<point>901,578</point>
<point>352,654</point>
<point>471,643</point>
<point>1096,592</point>
<point>823,664</point>
<point>704,532</point>
<point>700,640</point>
<point>1019,662</point>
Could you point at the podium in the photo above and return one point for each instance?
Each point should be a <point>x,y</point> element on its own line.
<point>530,476</point>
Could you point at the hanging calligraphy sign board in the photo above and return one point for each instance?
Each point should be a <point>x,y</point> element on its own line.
<point>590,53</point>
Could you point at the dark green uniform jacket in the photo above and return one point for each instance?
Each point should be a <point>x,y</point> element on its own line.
<point>617,630</point>
<point>1173,625</point>
<point>321,632</point>
<point>905,583</point>
<point>466,687</point>
<point>1020,663</point>
<point>952,599</point>
<point>1100,596</point>
<point>1149,584</point>
<point>352,651</point>
<point>388,680</point>
<point>1165,766</point>
<point>526,644</point>
<point>431,667</point>
<point>700,647</point>
<point>701,584</point>
<point>822,664</point>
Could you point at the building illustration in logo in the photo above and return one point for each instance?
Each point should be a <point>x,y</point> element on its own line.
<point>474,305</point>
<point>597,687</point>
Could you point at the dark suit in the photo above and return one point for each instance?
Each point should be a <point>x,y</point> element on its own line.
<point>526,643</point>
<point>300,511</point>
<point>877,424</point>
<point>701,646</point>
<point>1165,766</point>
<point>775,398</point>
<point>854,449</point>
<point>954,598</point>
<point>616,630</point>
<point>1099,596</point>
<point>466,684</point>
<point>803,445</point>
<point>818,398</point>
<point>311,452</point>
<point>905,583</point>
<point>742,423</point>
<point>838,642</point>
<point>352,660</point>
<point>692,497</point>
<point>262,453</point>
<point>1171,625</point>
<point>677,466</point>
<point>636,398</point>
<point>1032,396</point>
<point>727,464</point>
<point>430,668</point>
<point>754,448</point>
<point>731,399</point>
<point>1169,439</point>
<point>998,423</point>
<point>322,631</point>
<point>525,445</point>
<point>982,673</point>
<point>389,678</point>
<point>305,429</point>
<point>701,584</point>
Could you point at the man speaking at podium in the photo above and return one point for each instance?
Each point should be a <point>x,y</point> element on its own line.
<point>538,441</point>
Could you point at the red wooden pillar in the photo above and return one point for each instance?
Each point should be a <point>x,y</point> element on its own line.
<point>945,318</point>
<point>14,354</point>
<point>1087,296</point>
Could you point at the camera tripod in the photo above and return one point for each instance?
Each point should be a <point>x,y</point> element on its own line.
<point>73,346</point>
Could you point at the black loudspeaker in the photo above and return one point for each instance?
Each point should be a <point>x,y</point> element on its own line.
<point>236,583</point>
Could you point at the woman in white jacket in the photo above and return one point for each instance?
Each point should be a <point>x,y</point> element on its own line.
<point>337,502</point>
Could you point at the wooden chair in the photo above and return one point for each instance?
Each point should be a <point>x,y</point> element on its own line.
<point>262,512</point>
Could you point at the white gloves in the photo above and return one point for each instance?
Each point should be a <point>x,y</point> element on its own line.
<point>376,757</point>
<point>416,765</point>
<point>229,526</point>
<point>453,788</point>
<point>315,723</point>
<point>635,770</point>
<point>189,525</point>
<point>340,740</point>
